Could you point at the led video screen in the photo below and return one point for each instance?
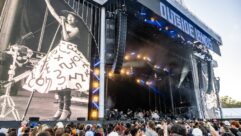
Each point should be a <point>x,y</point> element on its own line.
<point>49,53</point>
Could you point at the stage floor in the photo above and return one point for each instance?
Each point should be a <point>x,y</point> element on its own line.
<point>43,106</point>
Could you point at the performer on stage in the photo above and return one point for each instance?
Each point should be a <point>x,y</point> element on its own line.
<point>65,68</point>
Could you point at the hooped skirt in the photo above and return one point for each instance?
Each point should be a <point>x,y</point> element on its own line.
<point>63,67</point>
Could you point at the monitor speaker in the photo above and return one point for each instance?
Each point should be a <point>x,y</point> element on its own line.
<point>33,118</point>
<point>81,119</point>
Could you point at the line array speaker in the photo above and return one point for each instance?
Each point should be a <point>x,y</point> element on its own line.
<point>120,41</point>
<point>110,41</point>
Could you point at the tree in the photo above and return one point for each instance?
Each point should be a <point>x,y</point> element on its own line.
<point>228,102</point>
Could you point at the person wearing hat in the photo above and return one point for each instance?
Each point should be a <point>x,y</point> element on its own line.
<point>63,69</point>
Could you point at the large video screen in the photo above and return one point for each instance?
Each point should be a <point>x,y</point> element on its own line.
<point>49,56</point>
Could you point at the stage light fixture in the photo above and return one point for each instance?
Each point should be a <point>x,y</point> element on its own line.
<point>110,74</point>
<point>122,71</point>
<point>144,58</point>
<point>138,81</point>
<point>127,72</point>
<point>97,71</point>
<point>127,57</point>
<point>138,56</point>
<point>148,83</point>
<point>152,19</point>
<point>95,84</point>
<point>166,28</point>
<point>94,114</point>
<point>156,67</point>
<point>148,59</point>
<point>95,98</point>
<point>133,53</point>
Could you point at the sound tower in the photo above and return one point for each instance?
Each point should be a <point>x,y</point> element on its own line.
<point>120,41</point>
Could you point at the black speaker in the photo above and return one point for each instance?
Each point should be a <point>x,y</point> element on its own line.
<point>210,76</point>
<point>110,41</point>
<point>120,41</point>
<point>33,118</point>
<point>81,119</point>
<point>200,76</point>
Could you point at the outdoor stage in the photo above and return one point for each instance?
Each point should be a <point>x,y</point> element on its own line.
<point>158,50</point>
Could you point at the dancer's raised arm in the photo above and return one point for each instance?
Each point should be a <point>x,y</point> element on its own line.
<point>53,12</point>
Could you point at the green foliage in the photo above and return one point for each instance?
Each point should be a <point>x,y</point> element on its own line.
<point>228,102</point>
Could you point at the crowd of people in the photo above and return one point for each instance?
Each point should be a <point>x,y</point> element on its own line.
<point>158,127</point>
<point>141,114</point>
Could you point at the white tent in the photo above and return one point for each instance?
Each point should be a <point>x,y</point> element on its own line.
<point>231,113</point>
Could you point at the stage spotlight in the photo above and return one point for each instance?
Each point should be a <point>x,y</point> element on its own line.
<point>144,58</point>
<point>127,57</point>
<point>110,74</point>
<point>95,98</point>
<point>152,19</point>
<point>166,28</point>
<point>138,56</point>
<point>138,81</point>
<point>122,71</point>
<point>96,71</point>
<point>133,53</point>
<point>128,73</point>
<point>148,83</point>
<point>95,84</point>
<point>156,66</point>
<point>94,114</point>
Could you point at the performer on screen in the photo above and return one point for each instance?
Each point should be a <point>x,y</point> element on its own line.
<point>65,68</point>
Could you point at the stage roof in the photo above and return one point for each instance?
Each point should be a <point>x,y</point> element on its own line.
<point>184,20</point>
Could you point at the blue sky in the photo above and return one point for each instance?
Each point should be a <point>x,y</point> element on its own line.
<point>224,17</point>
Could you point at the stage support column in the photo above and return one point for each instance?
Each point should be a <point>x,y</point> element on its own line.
<point>171,93</point>
<point>196,86</point>
<point>102,66</point>
<point>219,105</point>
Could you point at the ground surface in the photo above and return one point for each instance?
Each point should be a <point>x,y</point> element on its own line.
<point>43,106</point>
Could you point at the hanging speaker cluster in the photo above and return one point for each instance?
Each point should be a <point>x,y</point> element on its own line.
<point>116,31</point>
<point>110,38</point>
